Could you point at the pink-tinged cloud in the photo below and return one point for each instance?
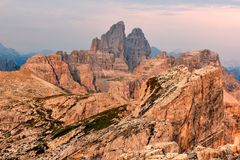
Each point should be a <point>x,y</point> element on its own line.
<point>168,25</point>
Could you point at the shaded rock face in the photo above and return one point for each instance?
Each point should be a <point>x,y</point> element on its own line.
<point>95,45</point>
<point>131,49</point>
<point>137,47</point>
<point>198,59</point>
<point>111,42</point>
<point>99,60</point>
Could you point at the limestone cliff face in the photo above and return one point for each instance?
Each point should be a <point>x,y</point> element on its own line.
<point>111,42</point>
<point>56,70</point>
<point>77,72</point>
<point>177,111</point>
<point>137,47</point>
<point>166,108</point>
<point>95,44</point>
<point>84,71</point>
<point>132,49</point>
<point>192,103</point>
<point>198,59</point>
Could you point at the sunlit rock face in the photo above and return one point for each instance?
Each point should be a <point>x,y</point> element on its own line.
<point>85,71</point>
<point>198,59</point>
<point>114,102</point>
<point>174,112</point>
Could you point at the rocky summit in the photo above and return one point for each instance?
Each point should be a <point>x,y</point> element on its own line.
<point>132,48</point>
<point>115,102</point>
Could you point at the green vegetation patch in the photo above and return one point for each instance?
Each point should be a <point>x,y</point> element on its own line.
<point>94,123</point>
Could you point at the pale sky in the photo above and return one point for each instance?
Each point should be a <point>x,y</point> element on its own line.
<point>28,25</point>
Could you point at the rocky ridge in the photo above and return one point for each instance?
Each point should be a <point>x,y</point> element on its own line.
<point>85,71</point>
<point>87,105</point>
<point>176,112</point>
<point>132,49</point>
<point>198,59</point>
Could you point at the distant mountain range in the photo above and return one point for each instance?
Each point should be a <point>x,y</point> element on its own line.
<point>176,53</point>
<point>44,52</point>
<point>235,71</point>
<point>155,51</point>
<point>11,60</point>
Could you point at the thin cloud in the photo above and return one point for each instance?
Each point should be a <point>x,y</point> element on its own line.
<point>168,24</point>
<point>184,2</point>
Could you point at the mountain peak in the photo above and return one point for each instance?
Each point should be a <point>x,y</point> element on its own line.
<point>117,28</point>
<point>131,48</point>
<point>120,23</point>
<point>137,32</point>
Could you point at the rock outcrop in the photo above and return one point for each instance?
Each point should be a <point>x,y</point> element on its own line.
<point>137,48</point>
<point>21,85</point>
<point>87,105</point>
<point>132,49</point>
<point>177,111</point>
<point>32,109</point>
<point>95,45</point>
<point>79,72</point>
<point>231,85</point>
<point>198,59</point>
<point>85,71</point>
<point>193,103</point>
<point>112,42</point>
<point>55,70</point>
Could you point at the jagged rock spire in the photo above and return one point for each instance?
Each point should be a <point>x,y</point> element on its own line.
<point>136,48</point>
<point>131,48</point>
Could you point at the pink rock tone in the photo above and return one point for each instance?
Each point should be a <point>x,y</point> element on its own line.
<point>151,67</point>
<point>53,69</point>
<point>198,59</point>
<point>72,109</point>
<point>131,49</point>
<point>172,112</point>
<point>114,102</point>
<point>193,102</point>
<point>20,85</point>
<point>164,55</point>
<point>95,45</point>
<point>120,65</point>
